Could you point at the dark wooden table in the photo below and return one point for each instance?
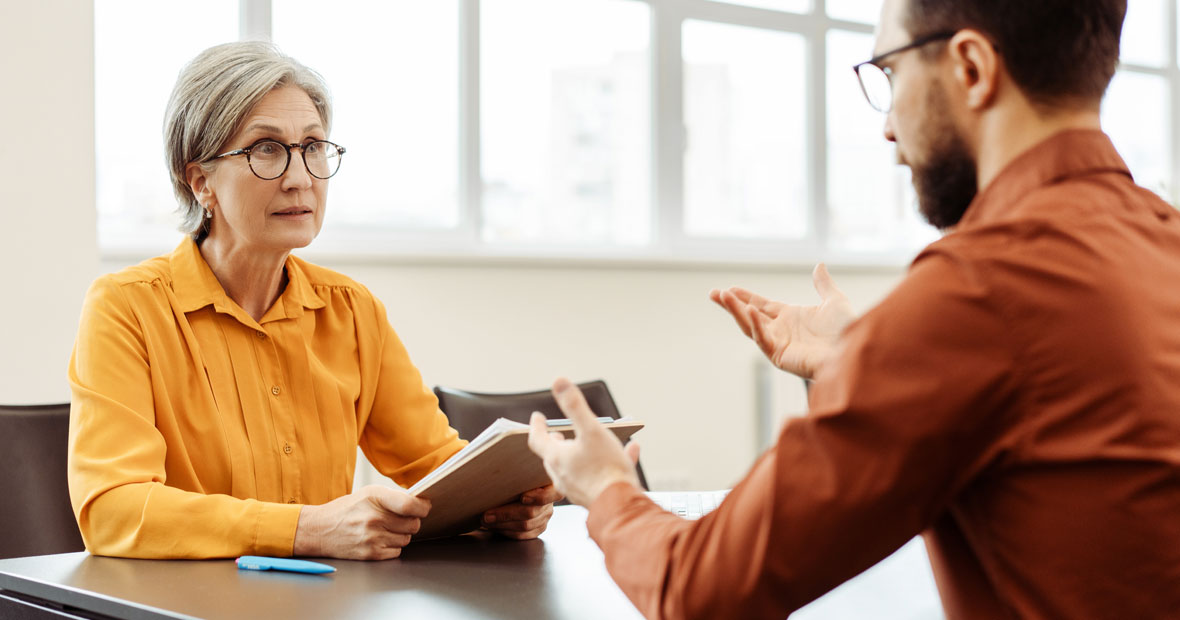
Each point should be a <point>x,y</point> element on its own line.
<point>561,575</point>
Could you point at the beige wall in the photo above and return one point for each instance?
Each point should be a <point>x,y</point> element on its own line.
<point>670,357</point>
<point>48,253</point>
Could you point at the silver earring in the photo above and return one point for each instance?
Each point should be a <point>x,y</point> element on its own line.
<point>208,213</point>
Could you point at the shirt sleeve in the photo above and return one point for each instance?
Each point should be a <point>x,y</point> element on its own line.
<point>116,469</point>
<point>405,435</point>
<point>908,411</point>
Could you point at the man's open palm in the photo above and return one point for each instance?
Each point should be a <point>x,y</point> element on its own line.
<point>797,339</point>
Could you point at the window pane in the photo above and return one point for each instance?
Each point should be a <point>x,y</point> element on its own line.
<point>794,6</point>
<point>870,200</point>
<point>393,70</point>
<point>864,11</point>
<point>1135,114</point>
<point>1145,32</point>
<point>565,121</point>
<point>131,88</point>
<point>745,170</point>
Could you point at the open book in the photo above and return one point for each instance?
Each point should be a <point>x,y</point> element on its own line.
<point>492,470</point>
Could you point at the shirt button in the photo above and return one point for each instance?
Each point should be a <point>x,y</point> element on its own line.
<point>261,335</point>
<point>287,448</point>
<point>291,501</point>
<point>275,390</point>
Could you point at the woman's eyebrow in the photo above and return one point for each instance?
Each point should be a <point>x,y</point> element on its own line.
<point>262,127</point>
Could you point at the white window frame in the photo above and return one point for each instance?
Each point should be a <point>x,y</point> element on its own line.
<point>669,242</point>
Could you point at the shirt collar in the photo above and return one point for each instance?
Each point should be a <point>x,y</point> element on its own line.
<point>195,286</point>
<point>1065,155</point>
<point>299,293</point>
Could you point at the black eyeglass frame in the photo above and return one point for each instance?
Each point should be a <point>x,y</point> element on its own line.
<point>340,150</point>
<point>876,60</point>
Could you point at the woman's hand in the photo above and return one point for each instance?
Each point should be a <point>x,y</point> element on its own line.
<point>371,524</point>
<point>797,339</point>
<point>525,519</point>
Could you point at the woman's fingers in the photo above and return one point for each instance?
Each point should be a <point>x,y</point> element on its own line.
<point>540,496</point>
<point>398,501</point>
<point>401,526</point>
<point>524,525</point>
<point>389,538</point>
<point>516,512</point>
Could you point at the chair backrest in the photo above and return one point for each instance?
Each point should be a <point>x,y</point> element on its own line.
<point>37,518</point>
<point>471,412</point>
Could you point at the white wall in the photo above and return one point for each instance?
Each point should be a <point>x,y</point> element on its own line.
<point>48,251</point>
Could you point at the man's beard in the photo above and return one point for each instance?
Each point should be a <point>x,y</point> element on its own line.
<point>946,180</point>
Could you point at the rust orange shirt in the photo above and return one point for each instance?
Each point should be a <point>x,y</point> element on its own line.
<point>198,432</point>
<point>1016,399</point>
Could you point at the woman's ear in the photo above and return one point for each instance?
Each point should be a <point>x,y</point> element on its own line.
<point>976,67</point>
<point>199,183</point>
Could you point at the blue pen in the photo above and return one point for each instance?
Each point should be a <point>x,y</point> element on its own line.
<point>256,562</point>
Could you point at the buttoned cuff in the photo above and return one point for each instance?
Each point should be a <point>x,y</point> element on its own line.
<point>274,533</point>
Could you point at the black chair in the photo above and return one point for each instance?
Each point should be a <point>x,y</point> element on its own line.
<point>37,518</point>
<point>471,412</point>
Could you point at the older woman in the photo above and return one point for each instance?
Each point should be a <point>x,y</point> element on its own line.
<point>220,391</point>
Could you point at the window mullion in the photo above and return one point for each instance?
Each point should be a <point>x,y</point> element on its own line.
<point>668,130</point>
<point>254,21</point>
<point>817,126</point>
<point>1173,73</point>
<point>470,173</point>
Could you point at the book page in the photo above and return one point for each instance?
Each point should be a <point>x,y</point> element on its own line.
<point>495,429</point>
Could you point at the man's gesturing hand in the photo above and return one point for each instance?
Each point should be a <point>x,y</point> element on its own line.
<point>797,339</point>
<point>371,524</point>
<point>583,467</point>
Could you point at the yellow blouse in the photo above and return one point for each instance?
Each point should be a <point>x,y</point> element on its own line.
<point>198,432</point>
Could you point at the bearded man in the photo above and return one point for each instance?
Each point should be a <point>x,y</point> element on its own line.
<point>1016,399</point>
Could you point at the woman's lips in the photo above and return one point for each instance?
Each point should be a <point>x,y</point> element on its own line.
<point>293,213</point>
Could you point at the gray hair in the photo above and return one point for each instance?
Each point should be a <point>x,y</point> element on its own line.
<point>212,96</point>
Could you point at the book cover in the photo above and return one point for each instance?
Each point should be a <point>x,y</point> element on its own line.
<point>493,470</point>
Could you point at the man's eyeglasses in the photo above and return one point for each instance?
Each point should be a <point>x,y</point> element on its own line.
<point>269,159</point>
<point>876,82</point>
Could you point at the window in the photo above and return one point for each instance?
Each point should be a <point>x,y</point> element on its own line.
<point>745,165</point>
<point>1138,111</point>
<point>393,70</point>
<point>669,129</point>
<point>870,199</point>
<point>564,121</point>
<point>136,207</point>
<point>860,11</point>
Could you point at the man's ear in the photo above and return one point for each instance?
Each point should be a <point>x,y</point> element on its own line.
<point>976,67</point>
<point>198,182</point>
